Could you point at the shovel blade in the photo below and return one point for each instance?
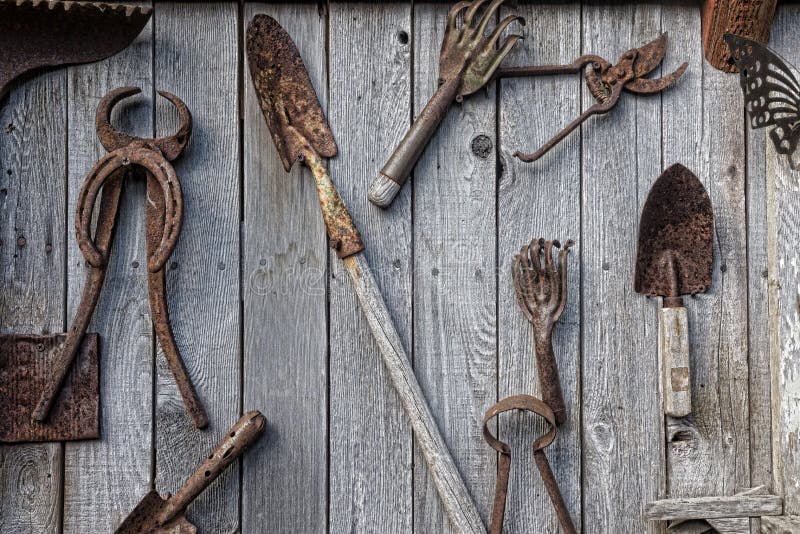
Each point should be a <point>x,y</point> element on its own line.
<point>143,519</point>
<point>675,253</point>
<point>25,366</point>
<point>285,93</point>
<point>35,34</point>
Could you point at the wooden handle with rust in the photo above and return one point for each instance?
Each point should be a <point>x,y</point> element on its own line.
<point>673,350</point>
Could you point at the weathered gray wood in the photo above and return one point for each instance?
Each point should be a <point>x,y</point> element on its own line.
<point>105,479</point>
<point>455,324</point>
<point>32,252</point>
<point>783,190</point>
<point>369,110</point>
<point>196,58</point>
<point>736,525</point>
<point>703,129</point>
<point>622,423</point>
<point>714,507</point>
<point>780,525</point>
<point>284,291</point>
<point>455,498</point>
<point>673,352</point>
<point>540,199</point>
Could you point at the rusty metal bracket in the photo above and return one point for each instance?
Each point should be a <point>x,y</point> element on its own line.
<point>530,404</point>
<point>129,156</point>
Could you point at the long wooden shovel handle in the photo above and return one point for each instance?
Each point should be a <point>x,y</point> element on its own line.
<point>454,494</point>
<point>673,348</point>
<point>244,433</point>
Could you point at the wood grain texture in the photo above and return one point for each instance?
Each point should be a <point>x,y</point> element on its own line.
<point>780,525</point>
<point>673,347</point>
<point>370,440</point>
<point>32,253</point>
<point>203,271</point>
<point>105,479</point>
<point>708,455</point>
<point>284,292</point>
<point>455,322</point>
<point>715,507</point>
<point>540,199</point>
<point>783,186</point>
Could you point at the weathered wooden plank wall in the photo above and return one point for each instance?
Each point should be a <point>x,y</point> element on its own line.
<point>266,320</point>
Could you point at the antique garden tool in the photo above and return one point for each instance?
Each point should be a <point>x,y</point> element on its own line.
<point>530,404</point>
<point>36,34</point>
<point>771,94</point>
<point>542,294</point>
<point>467,62</point>
<point>674,258</point>
<point>165,515</point>
<point>130,156</point>
<point>605,82</point>
<point>300,132</point>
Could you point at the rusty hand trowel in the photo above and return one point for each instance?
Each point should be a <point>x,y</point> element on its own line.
<point>158,515</point>
<point>674,258</point>
<point>301,133</point>
<point>36,34</point>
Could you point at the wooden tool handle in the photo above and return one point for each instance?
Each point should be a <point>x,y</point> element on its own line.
<point>673,350</point>
<point>244,433</point>
<point>395,171</point>
<point>454,494</point>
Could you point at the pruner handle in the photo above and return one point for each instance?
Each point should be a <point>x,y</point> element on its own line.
<point>596,109</point>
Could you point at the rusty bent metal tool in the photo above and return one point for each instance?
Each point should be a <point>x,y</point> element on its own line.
<point>301,133</point>
<point>128,157</point>
<point>467,62</point>
<point>605,82</point>
<point>530,404</point>
<point>674,258</point>
<point>158,515</point>
<point>541,289</point>
<point>36,34</point>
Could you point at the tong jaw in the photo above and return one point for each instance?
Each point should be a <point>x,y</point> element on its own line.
<point>469,57</point>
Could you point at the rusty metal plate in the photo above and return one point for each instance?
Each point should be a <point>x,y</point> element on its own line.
<point>25,366</point>
<point>675,253</point>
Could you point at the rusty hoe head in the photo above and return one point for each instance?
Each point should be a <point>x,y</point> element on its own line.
<point>675,253</point>
<point>771,93</point>
<point>36,34</point>
<point>606,82</point>
<point>468,54</point>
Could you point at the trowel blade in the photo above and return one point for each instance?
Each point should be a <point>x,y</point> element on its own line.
<point>675,253</point>
<point>143,519</point>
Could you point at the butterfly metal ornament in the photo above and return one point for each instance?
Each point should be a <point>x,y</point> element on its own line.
<point>771,94</point>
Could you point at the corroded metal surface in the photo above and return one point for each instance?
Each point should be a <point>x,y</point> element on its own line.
<point>297,122</point>
<point>771,94</point>
<point>131,157</point>
<point>157,515</point>
<point>675,252</point>
<point>468,60</point>
<point>530,404</point>
<point>25,362</point>
<point>541,289</point>
<point>606,82</point>
<point>35,34</point>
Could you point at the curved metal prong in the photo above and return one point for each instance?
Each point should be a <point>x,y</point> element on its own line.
<point>646,86</point>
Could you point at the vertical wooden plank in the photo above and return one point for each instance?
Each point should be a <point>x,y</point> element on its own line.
<point>369,110</point>
<point>284,292</point>
<point>454,263</point>
<point>32,252</point>
<point>783,187</point>
<point>622,417</point>
<point>196,58</point>
<point>709,454</point>
<point>105,479</point>
<point>540,199</point>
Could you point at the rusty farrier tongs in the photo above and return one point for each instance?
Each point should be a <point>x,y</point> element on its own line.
<point>605,82</point>
<point>128,157</point>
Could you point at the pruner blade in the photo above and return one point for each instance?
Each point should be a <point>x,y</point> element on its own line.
<point>606,82</point>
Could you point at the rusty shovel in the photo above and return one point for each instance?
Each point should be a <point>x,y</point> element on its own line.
<point>158,515</point>
<point>674,258</point>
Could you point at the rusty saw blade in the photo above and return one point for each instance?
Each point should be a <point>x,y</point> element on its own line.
<point>36,34</point>
<point>675,252</point>
<point>287,97</point>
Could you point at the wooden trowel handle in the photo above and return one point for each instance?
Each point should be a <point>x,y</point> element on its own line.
<point>673,349</point>
<point>243,434</point>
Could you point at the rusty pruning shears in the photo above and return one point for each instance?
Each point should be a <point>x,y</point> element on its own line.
<point>605,82</point>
